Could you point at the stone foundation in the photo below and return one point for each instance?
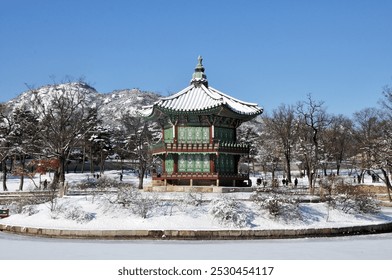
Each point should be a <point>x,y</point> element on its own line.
<point>198,234</point>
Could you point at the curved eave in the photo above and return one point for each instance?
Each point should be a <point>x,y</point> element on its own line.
<point>157,112</point>
<point>150,112</point>
<point>206,111</point>
<point>202,100</point>
<point>228,111</point>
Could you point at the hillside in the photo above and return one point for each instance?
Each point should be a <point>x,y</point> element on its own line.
<point>110,105</point>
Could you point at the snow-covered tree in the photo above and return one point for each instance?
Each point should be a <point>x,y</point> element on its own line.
<point>6,129</point>
<point>25,139</point>
<point>65,113</point>
<point>249,133</point>
<point>139,136</point>
<point>99,143</point>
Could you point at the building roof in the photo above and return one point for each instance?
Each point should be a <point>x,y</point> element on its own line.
<point>199,97</point>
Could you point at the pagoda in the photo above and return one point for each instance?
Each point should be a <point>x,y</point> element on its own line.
<point>199,144</point>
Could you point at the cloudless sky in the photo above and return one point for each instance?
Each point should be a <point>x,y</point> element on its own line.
<point>264,51</point>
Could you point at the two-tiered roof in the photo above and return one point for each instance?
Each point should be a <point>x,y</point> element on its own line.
<point>199,139</point>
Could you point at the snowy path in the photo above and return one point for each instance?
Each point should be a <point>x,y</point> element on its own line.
<point>370,247</point>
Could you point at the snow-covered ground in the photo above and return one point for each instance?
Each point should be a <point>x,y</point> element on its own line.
<point>177,211</point>
<point>185,216</point>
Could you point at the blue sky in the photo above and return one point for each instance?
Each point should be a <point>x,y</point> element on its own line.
<point>264,51</point>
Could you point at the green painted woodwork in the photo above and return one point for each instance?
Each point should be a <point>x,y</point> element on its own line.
<point>193,163</point>
<point>225,163</point>
<point>193,134</point>
<point>182,162</point>
<point>206,163</point>
<point>169,135</point>
<point>169,164</point>
<point>224,134</point>
<point>190,163</point>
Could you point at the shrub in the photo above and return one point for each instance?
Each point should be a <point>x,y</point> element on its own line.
<point>230,212</point>
<point>193,198</point>
<point>21,206</point>
<point>106,183</point>
<point>29,210</point>
<point>78,214</point>
<point>140,204</point>
<point>353,199</point>
<point>278,205</point>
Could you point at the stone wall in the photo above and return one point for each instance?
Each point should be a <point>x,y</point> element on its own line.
<point>198,234</point>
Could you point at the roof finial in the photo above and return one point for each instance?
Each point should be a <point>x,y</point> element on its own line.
<point>198,76</point>
<point>200,59</point>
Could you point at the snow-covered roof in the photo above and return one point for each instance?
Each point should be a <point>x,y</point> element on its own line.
<point>201,97</point>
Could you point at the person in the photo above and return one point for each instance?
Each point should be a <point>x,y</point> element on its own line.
<point>295,182</point>
<point>45,184</point>
<point>121,176</point>
<point>284,181</point>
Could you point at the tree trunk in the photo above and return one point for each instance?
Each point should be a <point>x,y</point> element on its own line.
<point>23,163</point>
<point>62,168</point>
<point>141,177</point>
<point>83,158</point>
<point>102,163</point>
<point>387,183</point>
<point>288,163</point>
<point>4,165</point>
<point>337,168</point>
<point>11,164</point>
<point>308,171</point>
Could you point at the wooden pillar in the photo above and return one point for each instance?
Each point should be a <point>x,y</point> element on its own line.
<point>175,133</point>
<point>212,163</point>
<point>236,161</point>
<point>212,131</point>
<point>164,164</point>
<point>175,164</point>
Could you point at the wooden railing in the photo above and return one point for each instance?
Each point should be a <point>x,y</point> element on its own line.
<point>218,146</point>
<point>200,175</point>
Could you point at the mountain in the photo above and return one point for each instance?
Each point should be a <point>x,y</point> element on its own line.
<point>110,105</point>
<point>126,101</point>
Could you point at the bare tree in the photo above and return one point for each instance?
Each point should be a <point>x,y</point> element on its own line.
<point>6,128</point>
<point>338,140</point>
<point>313,120</point>
<point>282,126</point>
<point>367,122</point>
<point>386,101</point>
<point>99,145</point>
<point>249,134</point>
<point>270,155</point>
<point>375,144</point>
<point>65,115</point>
<point>138,140</point>
<point>386,143</point>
